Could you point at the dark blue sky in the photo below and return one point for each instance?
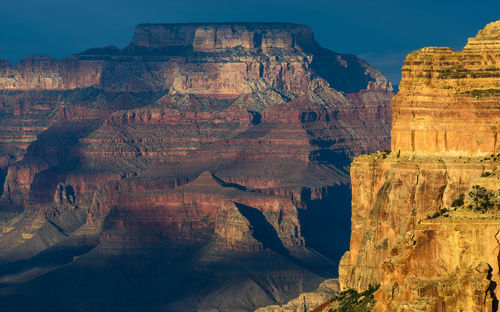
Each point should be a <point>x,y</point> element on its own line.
<point>380,31</point>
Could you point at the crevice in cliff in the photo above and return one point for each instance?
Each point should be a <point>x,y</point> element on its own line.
<point>3,175</point>
<point>495,142</point>
<point>380,199</point>
<point>257,41</point>
<point>442,188</point>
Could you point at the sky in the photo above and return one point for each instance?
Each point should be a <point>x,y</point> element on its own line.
<point>382,32</point>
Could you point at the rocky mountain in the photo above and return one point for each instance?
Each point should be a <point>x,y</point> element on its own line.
<point>202,167</point>
<point>425,216</point>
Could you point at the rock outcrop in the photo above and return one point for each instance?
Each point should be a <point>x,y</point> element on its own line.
<point>307,301</point>
<point>425,216</point>
<point>203,163</point>
<point>219,37</point>
<point>448,100</point>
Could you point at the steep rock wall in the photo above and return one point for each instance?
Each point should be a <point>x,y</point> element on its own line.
<point>448,100</point>
<point>417,228</point>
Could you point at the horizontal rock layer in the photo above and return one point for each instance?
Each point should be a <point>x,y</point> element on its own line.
<point>448,100</point>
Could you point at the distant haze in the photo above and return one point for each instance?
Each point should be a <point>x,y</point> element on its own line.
<point>381,32</point>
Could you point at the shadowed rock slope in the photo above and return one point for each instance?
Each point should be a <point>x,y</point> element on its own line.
<point>202,167</point>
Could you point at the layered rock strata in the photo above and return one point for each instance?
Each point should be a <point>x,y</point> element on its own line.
<point>448,100</point>
<point>424,217</point>
<point>207,160</point>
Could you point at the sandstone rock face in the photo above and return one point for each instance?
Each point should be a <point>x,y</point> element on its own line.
<point>390,196</point>
<point>459,278</point>
<point>203,163</point>
<point>418,229</point>
<point>437,79</point>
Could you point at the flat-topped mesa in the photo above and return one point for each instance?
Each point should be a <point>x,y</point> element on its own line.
<point>221,60</point>
<point>448,100</point>
<point>222,36</point>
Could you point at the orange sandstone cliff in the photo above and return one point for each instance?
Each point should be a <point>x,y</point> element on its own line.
<point>425,218</point>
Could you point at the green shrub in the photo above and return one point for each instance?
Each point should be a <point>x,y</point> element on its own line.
<point>438,214</point>
<point>352,301</point>
<point>481,199</point>
<point>478,93</point>
<point>459,202</point>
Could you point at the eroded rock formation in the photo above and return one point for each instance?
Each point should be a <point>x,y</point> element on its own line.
<point>307,301</point>
<point>448,100</point>
<point>198,168</point>
<point>425,216</point>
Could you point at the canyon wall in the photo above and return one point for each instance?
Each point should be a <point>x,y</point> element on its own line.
<point>198,168</point>
<point>448,100</point>
<point>425,216</point>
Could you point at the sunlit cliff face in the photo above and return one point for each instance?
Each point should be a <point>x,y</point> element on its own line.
<point>425,216</point>
<point>448,100</point>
